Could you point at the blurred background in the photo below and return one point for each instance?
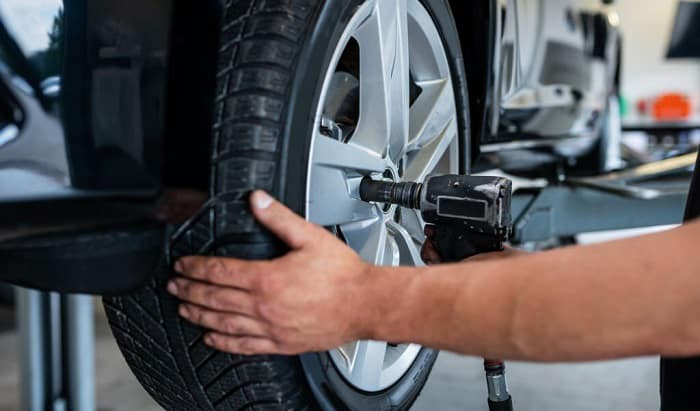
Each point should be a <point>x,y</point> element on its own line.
<point>661,77</point>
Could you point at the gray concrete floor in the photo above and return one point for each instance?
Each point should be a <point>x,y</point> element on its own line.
<point>457,383</point>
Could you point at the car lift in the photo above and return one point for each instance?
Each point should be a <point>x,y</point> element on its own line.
<point>56,330</point>
<point>653,194</point>
<point>56,340</point>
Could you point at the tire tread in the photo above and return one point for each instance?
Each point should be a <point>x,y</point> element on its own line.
<point>260,44</point>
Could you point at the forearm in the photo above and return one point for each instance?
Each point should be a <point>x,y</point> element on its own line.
<point>633,297</point>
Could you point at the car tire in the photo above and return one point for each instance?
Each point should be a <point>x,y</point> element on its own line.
<point>272,56</point>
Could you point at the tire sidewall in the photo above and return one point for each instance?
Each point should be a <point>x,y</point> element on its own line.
<point>330,388</point>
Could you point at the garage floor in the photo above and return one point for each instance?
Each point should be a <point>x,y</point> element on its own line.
<point>456,384</point>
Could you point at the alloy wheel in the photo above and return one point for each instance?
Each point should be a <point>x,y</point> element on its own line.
<point>388,111</point>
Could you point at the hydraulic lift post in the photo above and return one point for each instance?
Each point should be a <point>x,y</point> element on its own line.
<point>56,343</point>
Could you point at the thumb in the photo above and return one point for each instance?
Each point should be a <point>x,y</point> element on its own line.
<point>281,221</point>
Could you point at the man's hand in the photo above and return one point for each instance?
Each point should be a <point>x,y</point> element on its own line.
<point>312,299</point>
<point>429,253</point>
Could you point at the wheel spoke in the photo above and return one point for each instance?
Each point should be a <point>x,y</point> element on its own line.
<point>384,79</point>
<point>431,113</point>
<point>368,364</point>
<point>329,153</point>
<point>336,172</point>
<point>413,223</point>
<point>392,252</point>
<point>422,162</point>
<point>408,249</point>
<point>347,351</point>
<point>368,238</point>
<point>331,202</point>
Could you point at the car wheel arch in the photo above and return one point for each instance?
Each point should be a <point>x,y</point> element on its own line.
<point>476,26</point>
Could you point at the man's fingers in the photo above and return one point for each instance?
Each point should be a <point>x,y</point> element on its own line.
<point>225,323</point>
<point>281,221</point>
<point>223,271</point>
<point>429,251</point>
<point>429,231</point>
<point>430,255</point>
<point>242,345</point>
<point>212,296</point>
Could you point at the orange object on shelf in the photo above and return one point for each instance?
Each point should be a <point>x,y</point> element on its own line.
<point>672,107</point>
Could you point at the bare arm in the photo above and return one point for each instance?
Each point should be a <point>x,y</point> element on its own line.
<point>633,297</point>
<point>626,298</point>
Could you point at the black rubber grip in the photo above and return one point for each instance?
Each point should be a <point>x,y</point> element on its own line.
<point>501,406</point>
<point>456,243</point>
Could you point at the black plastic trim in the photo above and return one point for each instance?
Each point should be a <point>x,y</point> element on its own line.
<point>105,262</point>
<point>75,96</point>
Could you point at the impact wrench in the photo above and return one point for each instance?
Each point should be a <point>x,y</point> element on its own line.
<point>471,216</point>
